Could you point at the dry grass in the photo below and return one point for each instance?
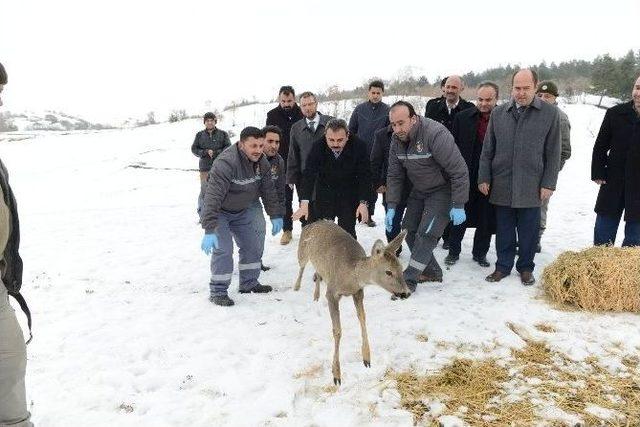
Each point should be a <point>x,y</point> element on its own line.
<point>422,338</point>
<point>482,392</point>
<point>601,278</point>
<point>545,327</point>
<point>312,371</point>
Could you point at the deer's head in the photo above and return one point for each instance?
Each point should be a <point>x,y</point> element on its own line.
<point>387,270</point>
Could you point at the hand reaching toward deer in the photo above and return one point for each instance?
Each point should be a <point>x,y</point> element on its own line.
<point>362,212</point>
<point>302,212</point>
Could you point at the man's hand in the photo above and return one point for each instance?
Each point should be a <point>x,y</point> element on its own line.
<point>388,219</point>
<point>276,225</point>
<point>210,153</point>
<point>302,212</point>
<point>545,194</point>
<point>600,181</point>
<point>362,212</point>
<point>209,243</point>
<point>484,188</point>
<point>381,189</point>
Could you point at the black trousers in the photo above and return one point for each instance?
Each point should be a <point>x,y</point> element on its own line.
<point>288,209</point>
<point>342,208</point>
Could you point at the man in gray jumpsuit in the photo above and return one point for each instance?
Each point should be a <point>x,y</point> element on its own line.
<point>238,177</point>
<point>13,352</point>
<point>424,151</point>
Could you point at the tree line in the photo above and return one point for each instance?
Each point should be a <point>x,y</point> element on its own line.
<point>605,75</point>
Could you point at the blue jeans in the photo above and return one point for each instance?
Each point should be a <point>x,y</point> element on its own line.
<point>606,228</point>
<point>526,221</point>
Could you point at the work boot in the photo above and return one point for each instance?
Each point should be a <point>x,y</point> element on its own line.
<point>451,259</point>
<point>428,277</point>
<point>286,237</point>
<point>221,300</point>
<point>257,289</point>
<point>527,279</point>
<point>445,245</point>
<point>371,223</point>
<point>496,276</point>
<point>482,261</point>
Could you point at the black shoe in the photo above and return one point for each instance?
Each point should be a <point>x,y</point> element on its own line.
<point>222,300</point>
<point>371,223</point>
<point>264,267</point>
<point>257,289</point>
<point>428,277</point>
<point>482,261</point>
<point>496,276</point>
<point>411,285</point>
<point>445,245</point>
<point>451,259</point>
<point>527,279</point>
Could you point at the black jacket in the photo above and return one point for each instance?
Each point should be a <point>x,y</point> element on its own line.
<point>217,141</point>
<point>11,263</point>
<point>616,159</point>
<point>284,120</point>
<point>327,178</point>
<point>380,161</point>
<point>437,110</point>
<point>480,213</point>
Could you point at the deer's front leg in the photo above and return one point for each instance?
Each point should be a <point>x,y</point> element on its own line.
<point>334,310</point>
<point>317,279</point>
<point>358,300</point>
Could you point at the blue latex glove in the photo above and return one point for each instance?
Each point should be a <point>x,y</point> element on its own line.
<point>276,226</point>
<point>209,243</point>
<point>457,215</point>
<point>388,219</point>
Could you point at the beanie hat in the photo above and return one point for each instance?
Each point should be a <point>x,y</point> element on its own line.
<point>548,87</point>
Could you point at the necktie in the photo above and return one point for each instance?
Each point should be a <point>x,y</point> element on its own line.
<point>312,126</point>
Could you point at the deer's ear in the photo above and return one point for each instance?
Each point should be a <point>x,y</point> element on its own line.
<point>378,248</point>
<point>395,244</point>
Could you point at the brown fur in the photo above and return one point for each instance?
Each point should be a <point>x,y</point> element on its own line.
<point>342,263</point>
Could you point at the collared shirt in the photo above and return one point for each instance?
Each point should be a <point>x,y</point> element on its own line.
<point>451,107</point>
<point>315,121</point>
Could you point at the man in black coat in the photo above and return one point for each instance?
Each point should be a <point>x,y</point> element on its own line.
<point>365,120</point>
<point>336,179</point>
<point>469,128</point>
<point>379,165</point>
<point>433,101</point>
<point>615,166</point>
<point>284,116</point>
<point>444,111</point>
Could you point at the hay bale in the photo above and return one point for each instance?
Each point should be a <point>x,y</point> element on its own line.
<point>602,278</point>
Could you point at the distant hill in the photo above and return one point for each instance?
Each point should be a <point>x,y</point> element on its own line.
<point>45,121</point>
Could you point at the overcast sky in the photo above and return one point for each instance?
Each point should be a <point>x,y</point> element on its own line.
<point>115,58</point>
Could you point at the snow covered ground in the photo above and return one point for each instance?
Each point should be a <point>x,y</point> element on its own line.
<point>125,334</point>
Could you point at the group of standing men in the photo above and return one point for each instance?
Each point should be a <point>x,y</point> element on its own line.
<point>464,165</point>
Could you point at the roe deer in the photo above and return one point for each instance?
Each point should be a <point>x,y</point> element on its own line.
<point>340,261</point>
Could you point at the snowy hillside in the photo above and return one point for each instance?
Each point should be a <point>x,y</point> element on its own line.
<point>125,334</point>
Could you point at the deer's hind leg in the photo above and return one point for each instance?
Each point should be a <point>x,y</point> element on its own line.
<point>334,310</point>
